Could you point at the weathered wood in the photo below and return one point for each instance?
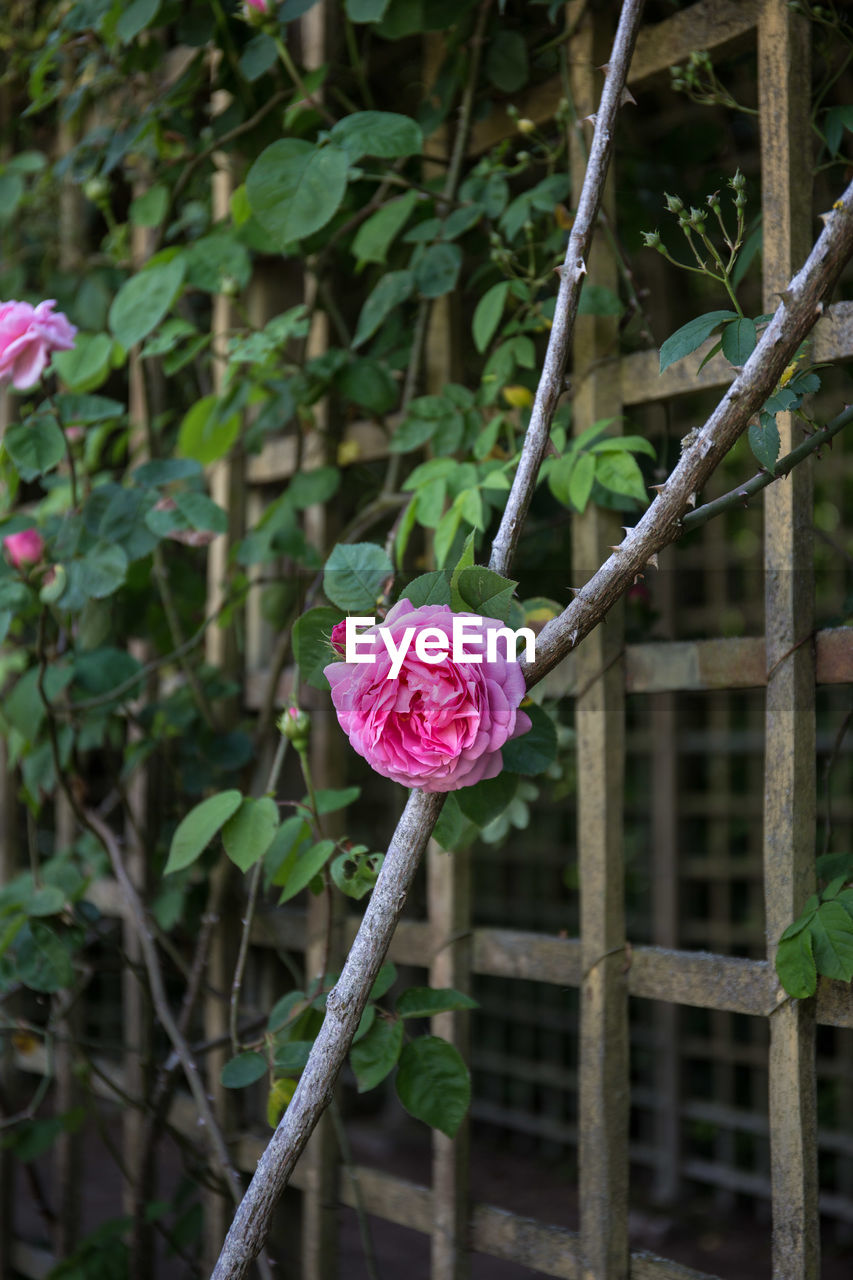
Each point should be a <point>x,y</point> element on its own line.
<point>603,1093</point>
<point>789,782</point>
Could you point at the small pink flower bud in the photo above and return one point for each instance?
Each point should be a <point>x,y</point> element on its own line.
<point>24,548</point>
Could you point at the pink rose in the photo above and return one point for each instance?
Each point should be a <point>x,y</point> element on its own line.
<point>438,726</point>
<point>28,337</point>
<point>260,6</point>
<point>24,548</point>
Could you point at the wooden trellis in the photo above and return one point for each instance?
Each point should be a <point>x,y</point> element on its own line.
<point>597,962</point>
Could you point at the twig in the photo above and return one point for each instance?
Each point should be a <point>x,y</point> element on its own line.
<point>254,886</point>
<point>571,280</point>
<point>738,497</point>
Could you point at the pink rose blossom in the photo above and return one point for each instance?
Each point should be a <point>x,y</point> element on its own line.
<point>437,726</point>
<point>24,548</point>
<point>260,6</point>
<point>28,337</point>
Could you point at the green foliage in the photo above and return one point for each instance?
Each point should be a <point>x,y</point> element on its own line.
<point>820,941</point>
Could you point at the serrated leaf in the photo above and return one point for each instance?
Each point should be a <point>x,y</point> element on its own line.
<point>832,939</point>
<point>195,832</point>
<point>429,588</point>
<point>250,831</point>
<point>245,1069</point>
<point>294,188</point>
<point>355,574</point>
<point>534,751</point>
<point>433,1084</point>
<point>764,441</point>
<point>376,1053</point>
<point>485,592</point>
<point>690,336</point>
<point>738,341</point>
<point>795,965</point>
<point>423,1002</point>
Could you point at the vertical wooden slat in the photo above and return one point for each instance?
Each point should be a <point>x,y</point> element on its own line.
<point>789,794</point>
<point>226,489</point>
<point>449,904</point>
<point>599,721</point>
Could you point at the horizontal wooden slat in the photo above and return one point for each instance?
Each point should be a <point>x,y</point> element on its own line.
<point>712,24</point>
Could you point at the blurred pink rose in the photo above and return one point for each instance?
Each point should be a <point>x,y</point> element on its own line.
<point>261,6</point>
<point>438,726</point>
<point>24,548</point>
<point>28,337</point>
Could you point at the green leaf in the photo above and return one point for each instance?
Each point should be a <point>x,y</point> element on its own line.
<point>534,751</point>
<point>384,981</point>
<point>378,133</point>
<point>366,10</point>
<point>368,384</point>
<point>293,1055</point>
<point>35,446</point>
<point>43,962</point>
<point>88,364</point>
<point>445,534</point>
<point>204,436</point>
<point>832,939</point>
<point>764,441</point>
<point>258,57</point>
<point>423,1002</point>
<point>795,965</point>
<point>598,300</point>
<point>195,831</point>
<point>690,336</point>
<point>11,193</point>
<point>438,270</point>
<point>392,290</point>
<point>87,408</point>
<point>485,592</point>
<point>433,1083</point>
<point>581,480</point>
<point>148,210</point>
<point>250,831</point>
<point>355,874</point>
<point>306,866</point>
<point>738,342</point>
<point>333,799</point>
<point>143,300</point>
<point>311,647</point>
<point>48,901</point>
<point>429,588</point>
<point>487,314</point>
<point>376,1053</point>
<point>281,1012</point>
<point>374,237</point>
<point>201,512</point>
<point>307,488</point>
<point>135,18</point>
<point>103,570</point>
<point>218,261</point>
<point>354,575</point>
<point>506,61</point>
<point>618,472</point>
<point>295,188</point>
<point>483,802</point>
<point>830,865</point>
<point>245,1069</point>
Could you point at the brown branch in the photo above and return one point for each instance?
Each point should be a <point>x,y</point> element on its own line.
<point>346,1002</point>
<point>572,272</point>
